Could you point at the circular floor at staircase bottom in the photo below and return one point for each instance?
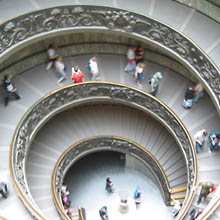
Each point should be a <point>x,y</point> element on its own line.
<point>86,183</point>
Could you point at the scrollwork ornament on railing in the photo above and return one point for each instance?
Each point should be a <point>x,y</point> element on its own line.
<point>67,96</point>
<point>113,144</point>
<point>61,18</point>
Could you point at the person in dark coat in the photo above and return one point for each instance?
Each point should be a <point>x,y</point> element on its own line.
<point>4,190</point>
<point>109,185</point>
<point>9,89</point>
<point>188,97</point>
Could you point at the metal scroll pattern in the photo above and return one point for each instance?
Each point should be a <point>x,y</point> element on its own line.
<point>85,92</point>
<point>107,143</point>
<point>43,22</point>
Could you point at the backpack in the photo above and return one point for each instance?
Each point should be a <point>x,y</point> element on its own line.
<point>150,78</point>
<point>89,66</point>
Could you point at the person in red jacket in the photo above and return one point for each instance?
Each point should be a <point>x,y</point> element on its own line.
<point>77,75</point>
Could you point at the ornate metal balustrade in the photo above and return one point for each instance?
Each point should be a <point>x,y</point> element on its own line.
<point>41,23</point>
<point>77,94</point>
<point>44,22</point>
<point>100,143</point>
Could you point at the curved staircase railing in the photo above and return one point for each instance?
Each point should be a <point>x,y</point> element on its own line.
<point>27,28</point>
<point>75,95</point>
<point>105,143</point>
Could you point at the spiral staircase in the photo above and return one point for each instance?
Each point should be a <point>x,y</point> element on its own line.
<point>122,121</point>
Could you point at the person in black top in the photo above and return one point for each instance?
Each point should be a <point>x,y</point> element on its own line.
<point>109,185</point>
<point>3,190</point>
<point>139,52</point>
<point>188,97</point>
<point>9,89</point>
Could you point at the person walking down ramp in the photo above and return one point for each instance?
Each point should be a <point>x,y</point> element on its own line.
<point>103,213</point>
<point>109,185</point>
<point>188,97</point>
<point>77,75</point>
<point>9,90</point>
<point>154,82</point>
<point>61,68</point>
<point>205,190</point>
<point>200,139</point>
<point>93,69</point>
<point>139,75</point>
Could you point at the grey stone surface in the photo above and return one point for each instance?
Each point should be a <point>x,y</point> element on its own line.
<point>171,13</point>
<point>96,170</point>
<point>125,129</point>
<point>201,24</point>
<point>215,55</point>
<point>7,133</point>
<point>8,9</point>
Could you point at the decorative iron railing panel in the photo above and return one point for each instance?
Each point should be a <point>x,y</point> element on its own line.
<point>108,143</point>
<point>65,18</point>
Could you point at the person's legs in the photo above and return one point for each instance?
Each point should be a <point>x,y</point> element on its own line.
<point>216,146</point>
<point>154,93</point>
<point>94,77</point>
<point>190,101</point>
<point>6,100</point>
<point>6,189</point>
<point>139,83</point>
<point>187,103</point>
<point>4,195</point>
<point>64,70</point>
<point>200,198</point>
<point>16,95</point>
<point>197,147</point>
<point>60,79</point>
<point>198,96</point>
<point>133,68</point>
<point>128,67</point>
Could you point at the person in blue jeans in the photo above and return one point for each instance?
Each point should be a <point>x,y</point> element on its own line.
<point>137,195</point>
<point>131,64</point>
<point>61,68</point>
<point>139,76</point>
<point>188,97</point>
<point>200,139</point>
<point>154,82</point>
<point>103,213</point>
<point>214,139</point>
<point>109,185</point>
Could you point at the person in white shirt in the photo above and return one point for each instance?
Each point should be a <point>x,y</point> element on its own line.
<point>93,68</point>
<point>51,52</point>
<point>61,68</point>
<point>139,76</point>
<point>131,64</point>
<point>200,139</point>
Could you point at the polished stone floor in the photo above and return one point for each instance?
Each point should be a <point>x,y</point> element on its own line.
<point>86,181</point>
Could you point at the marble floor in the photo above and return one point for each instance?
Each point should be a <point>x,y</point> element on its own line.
<point>86,181</point>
